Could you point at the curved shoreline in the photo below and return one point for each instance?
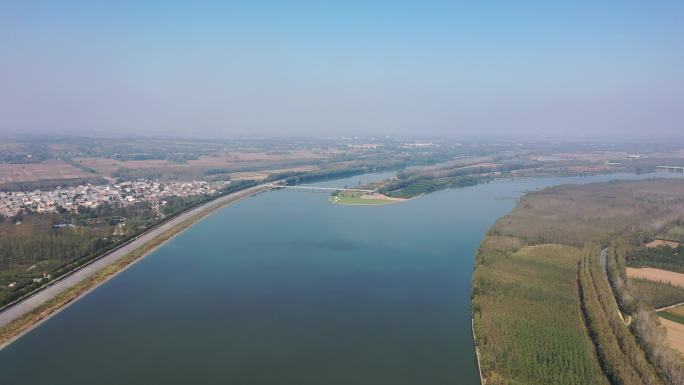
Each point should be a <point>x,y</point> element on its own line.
<point>30,313</point>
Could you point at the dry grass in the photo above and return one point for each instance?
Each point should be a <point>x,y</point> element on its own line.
<point>502,243</point>
<point>675,334</point>
<point>572,214</point>
<point>51,169</point>
<point>660,242</point>
<point>259,175</point>
<point>652,274</point>
<point>231,159</point>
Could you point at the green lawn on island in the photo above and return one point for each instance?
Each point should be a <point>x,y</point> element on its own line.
<point>354,198</point>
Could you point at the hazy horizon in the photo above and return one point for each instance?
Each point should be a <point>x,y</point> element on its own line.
<point>422,69</point>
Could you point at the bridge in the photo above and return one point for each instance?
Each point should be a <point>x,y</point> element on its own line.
<point>316,188</point>
<point>671,168</point>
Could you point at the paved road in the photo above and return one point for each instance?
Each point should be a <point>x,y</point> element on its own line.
<point>37,299</point>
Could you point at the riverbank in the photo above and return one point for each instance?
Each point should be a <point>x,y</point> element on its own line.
<point>543,288</point>
<point>23,317</point>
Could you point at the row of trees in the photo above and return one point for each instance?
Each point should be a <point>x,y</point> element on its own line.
<point>464,168</point>
<point>645,323</point>
<point>656,294</point>
<point>526,316</point>
<point>413,182</point>
<point>34,244</point>
<point>312,176</point>
<point>663,257</point>
<point>410,188</point>
<point>623,360</point>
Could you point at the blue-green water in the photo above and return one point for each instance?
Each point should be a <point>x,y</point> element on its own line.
<point>286,288</point>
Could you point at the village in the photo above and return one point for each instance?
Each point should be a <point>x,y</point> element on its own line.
<point>92,196</point>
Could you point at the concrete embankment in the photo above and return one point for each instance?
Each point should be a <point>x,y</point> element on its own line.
<point>151,239</point>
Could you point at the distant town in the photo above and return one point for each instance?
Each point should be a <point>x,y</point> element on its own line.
<point>93,196</point>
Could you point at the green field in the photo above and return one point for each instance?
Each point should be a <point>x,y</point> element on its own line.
<point>675,314</point>
<point>355,198</point>
<point>526,308</point>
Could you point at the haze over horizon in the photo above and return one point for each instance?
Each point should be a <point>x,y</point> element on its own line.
<point>426,68</point>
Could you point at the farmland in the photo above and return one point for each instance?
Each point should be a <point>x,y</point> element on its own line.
<point>675,314</point>
<point>53,169</point>
<point>652,274</point>
<point>675,334</point>
<point>539,270</point>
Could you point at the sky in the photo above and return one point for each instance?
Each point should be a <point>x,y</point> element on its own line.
<point>330,68</point>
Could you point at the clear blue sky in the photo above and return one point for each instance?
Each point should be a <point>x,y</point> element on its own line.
<point>342,67</point>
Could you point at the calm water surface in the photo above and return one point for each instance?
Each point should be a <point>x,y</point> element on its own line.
<point>286,288</point>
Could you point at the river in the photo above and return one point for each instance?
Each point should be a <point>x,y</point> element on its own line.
<point>286,288</point>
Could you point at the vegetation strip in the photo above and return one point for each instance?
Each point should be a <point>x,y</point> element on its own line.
<point>623,359</point>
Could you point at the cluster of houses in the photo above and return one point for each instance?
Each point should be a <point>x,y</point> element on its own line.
<point>92,196</point>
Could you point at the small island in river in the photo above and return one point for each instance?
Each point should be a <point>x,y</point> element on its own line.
<point>345,197</point>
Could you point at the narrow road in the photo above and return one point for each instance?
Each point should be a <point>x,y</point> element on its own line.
<point>604,263</point>
<point>669,307</point>
<point>72,279</point>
